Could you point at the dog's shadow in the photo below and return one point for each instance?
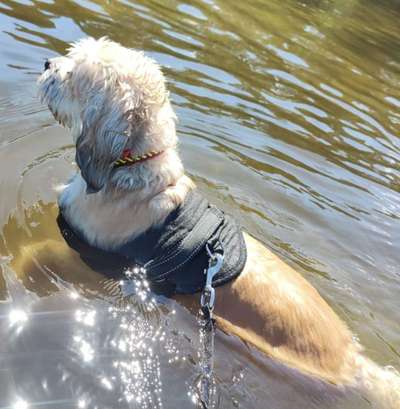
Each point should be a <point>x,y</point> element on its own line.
<point>43,251</point>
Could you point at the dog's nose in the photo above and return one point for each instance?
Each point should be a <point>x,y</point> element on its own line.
<point>46,65</point>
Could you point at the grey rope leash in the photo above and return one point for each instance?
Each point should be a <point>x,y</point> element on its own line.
<point>207,328</point>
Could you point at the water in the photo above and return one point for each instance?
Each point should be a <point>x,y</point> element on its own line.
<point>289,118</point>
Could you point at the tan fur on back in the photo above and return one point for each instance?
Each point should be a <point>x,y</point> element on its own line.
<point>272,307</point>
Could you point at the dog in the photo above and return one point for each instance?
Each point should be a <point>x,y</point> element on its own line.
<point>114,101</point>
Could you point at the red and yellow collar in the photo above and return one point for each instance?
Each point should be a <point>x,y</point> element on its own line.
<point>128,158</point>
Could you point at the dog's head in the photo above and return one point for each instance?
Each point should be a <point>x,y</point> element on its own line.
<point>111,98</point>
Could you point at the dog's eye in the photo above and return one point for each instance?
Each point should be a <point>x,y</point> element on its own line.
<point>46,65</point>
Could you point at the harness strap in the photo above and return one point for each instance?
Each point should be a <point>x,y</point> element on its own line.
<point>160,268</point>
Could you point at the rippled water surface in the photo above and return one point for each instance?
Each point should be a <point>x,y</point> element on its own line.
<point>289,118</point>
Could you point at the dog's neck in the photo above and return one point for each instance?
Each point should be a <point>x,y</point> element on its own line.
<point>111,217</point>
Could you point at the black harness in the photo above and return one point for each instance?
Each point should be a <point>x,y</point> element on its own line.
<point>175,253</point>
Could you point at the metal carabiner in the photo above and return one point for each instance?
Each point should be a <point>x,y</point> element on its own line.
<point>208,295</point>
<point>216,262</point>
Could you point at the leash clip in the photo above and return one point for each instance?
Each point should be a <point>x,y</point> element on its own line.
<point>214,266</point>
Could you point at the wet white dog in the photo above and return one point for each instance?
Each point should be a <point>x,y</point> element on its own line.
<point>115,102</point>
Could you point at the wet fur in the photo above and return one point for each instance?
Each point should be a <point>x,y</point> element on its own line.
<point>113,98</point>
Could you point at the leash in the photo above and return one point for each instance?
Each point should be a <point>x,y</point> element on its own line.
<point>207,327</point>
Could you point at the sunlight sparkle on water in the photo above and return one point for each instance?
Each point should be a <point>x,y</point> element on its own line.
<point>86,317</point>
<point>106,383</point>
<point>74,295</point>
<point>81,404</point>
<point>85,349</point>
<point>17,317</point>
<point>20,404</point>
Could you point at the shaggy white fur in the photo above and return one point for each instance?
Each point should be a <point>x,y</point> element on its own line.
<point>113,98</point>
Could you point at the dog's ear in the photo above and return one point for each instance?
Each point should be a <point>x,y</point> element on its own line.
<point>93,169</point>
<point>101,141</point>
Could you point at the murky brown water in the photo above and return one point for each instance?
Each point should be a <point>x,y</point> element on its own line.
<point>289,118</point>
